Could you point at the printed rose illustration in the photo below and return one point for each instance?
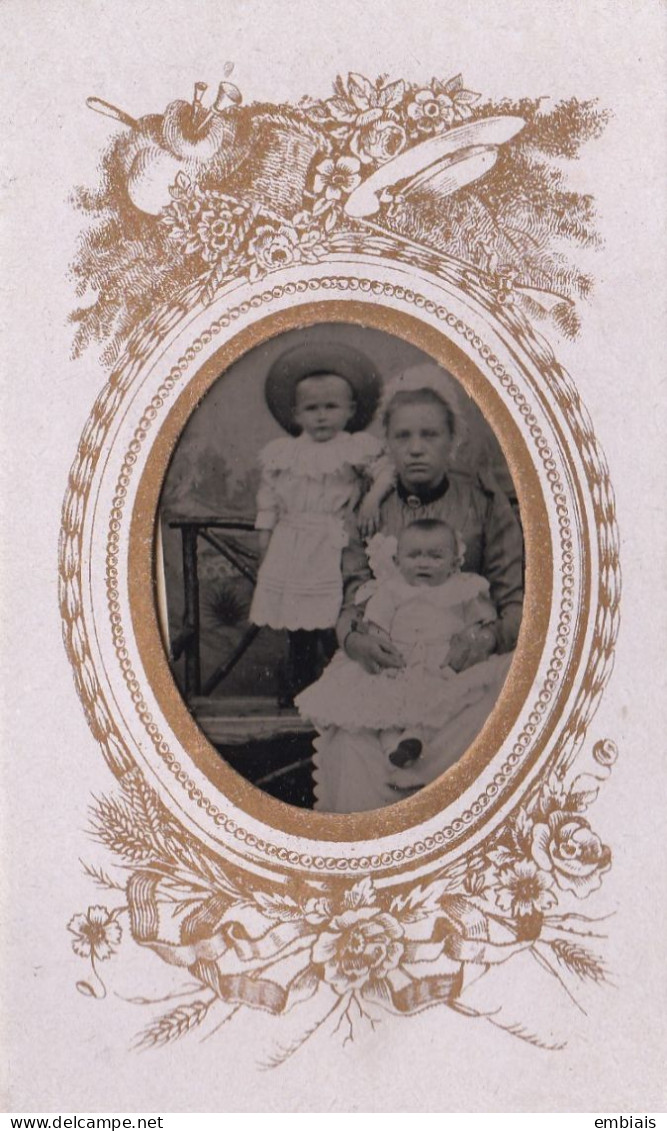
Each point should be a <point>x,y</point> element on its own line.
<point>567,846</point>
<point>379,142</point>
<point>274,246</point>
<point>360,103</point>
<point>358,945</point>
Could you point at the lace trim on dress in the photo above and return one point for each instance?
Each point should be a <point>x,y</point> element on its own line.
<point>455,590</point>
<point>305,457</point>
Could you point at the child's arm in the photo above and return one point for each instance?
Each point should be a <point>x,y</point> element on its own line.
<point>268,512</point>
<point>382,480</point>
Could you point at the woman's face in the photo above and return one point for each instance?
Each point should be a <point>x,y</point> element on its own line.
<point>420,444</point>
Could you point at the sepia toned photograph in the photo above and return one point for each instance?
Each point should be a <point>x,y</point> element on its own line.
<point>343,563</point>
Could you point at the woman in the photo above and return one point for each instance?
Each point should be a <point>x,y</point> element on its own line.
<point>422,434</point>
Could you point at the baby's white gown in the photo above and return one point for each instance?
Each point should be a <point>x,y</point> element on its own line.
<point>349,706</point>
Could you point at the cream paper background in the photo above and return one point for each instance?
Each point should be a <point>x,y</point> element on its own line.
<point>64,1052</point>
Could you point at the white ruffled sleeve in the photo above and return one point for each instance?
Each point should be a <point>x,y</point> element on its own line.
<point>272,459</point>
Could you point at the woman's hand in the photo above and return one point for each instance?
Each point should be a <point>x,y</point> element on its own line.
<point>372,652</point>
<point>471,646</point>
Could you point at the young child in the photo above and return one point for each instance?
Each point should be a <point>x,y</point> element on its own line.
<point>310,482</point>
<point>420,600</point>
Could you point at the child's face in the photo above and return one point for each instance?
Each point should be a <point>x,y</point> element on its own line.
<point>323,407</point>
<point>426,557</point>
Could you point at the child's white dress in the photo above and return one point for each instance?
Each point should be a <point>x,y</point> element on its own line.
<point>306,491</point>
<point>420,621</point>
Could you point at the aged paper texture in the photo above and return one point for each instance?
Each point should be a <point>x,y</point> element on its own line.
<point>481,184</point>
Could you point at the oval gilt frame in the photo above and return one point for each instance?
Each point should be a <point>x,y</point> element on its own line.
<point>565,650</point>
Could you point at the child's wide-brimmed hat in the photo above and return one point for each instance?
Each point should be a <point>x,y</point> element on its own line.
<point>308,360</point>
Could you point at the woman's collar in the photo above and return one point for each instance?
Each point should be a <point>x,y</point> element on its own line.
<point>422,496</point>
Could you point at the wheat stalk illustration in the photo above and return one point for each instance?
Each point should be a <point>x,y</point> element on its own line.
<point>115,825</point>
<point>579,960</point>
<point>175,1024</point>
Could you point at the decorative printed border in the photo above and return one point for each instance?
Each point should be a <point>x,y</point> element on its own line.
<point>330,952</point>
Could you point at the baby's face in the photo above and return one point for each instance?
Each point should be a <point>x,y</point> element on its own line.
<point>426,557</point>
<point>323,407</point>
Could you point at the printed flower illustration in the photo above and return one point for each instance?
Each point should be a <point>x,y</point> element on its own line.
<point>276,246</point>
<point>524,889</point>
<point>217,227</point>
<point>360,102</point>
<point>369,116</point>
<point>336,177</point>
<point>379,142</point>
<point>552,798</point>
<point>566,846</point>
<point>317,910</point>
<point>96,934</point>
<point>203,222</point>
<point>439,106</point>
<point>359,944</point>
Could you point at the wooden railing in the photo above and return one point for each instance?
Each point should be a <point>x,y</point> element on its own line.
<point>217,532</point>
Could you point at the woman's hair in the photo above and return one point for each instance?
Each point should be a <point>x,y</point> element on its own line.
<point>430,524</point>
<point>425,396</point>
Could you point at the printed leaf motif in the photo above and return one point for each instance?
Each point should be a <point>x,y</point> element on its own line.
<point>392,94</point>
<point>361,90</point>
<point>419,902</point>
<point>363,894</point>
<point>277,906</point>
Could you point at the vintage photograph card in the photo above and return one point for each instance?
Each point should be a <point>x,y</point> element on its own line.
<point>333,580</point>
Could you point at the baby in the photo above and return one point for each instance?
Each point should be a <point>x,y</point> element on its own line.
<point>420,601</point>
<point>310,482</point>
